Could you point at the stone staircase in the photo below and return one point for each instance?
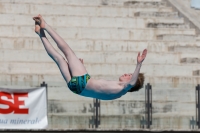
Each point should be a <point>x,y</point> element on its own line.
<point>107,34</point>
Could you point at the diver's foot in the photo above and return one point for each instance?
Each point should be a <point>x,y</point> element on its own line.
<point>37,29</point>
<point>41,21</point>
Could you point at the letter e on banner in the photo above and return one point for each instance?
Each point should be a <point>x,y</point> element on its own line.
<point>17,103</point>
<point>13,106</point>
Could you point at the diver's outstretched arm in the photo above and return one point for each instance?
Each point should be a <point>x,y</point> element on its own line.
<point>134,78</point>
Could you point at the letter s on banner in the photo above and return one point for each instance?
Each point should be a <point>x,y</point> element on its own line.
<point>13,106</point>
<point>5,102</point>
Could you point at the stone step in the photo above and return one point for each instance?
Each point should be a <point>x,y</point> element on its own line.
<point>196,72</point>
<point>163,122</point>
<point>87,45</point>
<point>181,38</point>
<point>85,2</point>
<point>98,33</point>
<point>157,14</point>
<point>145,4</point>
<point>160,96</point>
<point>30,80</point>
<point>33,9</point>
<point>56,80</point>
<point>119,107</point>
<point>198,38</point>
<point>83,121</point>
<point>100,69</point>
<point>190,60</point>
<point>107,57</point>
<point>116,107</point>
<point>176,121</point>
<point>165,25</point>
<point>80,21</point>
<point>185,48</point>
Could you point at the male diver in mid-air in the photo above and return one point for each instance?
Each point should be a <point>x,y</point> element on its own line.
<point>75,74</point>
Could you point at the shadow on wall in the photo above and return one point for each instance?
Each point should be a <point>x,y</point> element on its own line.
<point>195,4</point>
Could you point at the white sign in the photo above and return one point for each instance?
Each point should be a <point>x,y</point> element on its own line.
<point>23,108</point>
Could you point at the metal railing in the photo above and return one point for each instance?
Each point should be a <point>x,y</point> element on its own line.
<point>95,120</point>
<point>148,105</point>
<point>198,105</point>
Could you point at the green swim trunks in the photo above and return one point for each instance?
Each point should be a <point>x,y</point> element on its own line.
<point>78,83</point>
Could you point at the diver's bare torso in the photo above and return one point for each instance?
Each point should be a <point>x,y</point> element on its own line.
<point>103,89</point>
